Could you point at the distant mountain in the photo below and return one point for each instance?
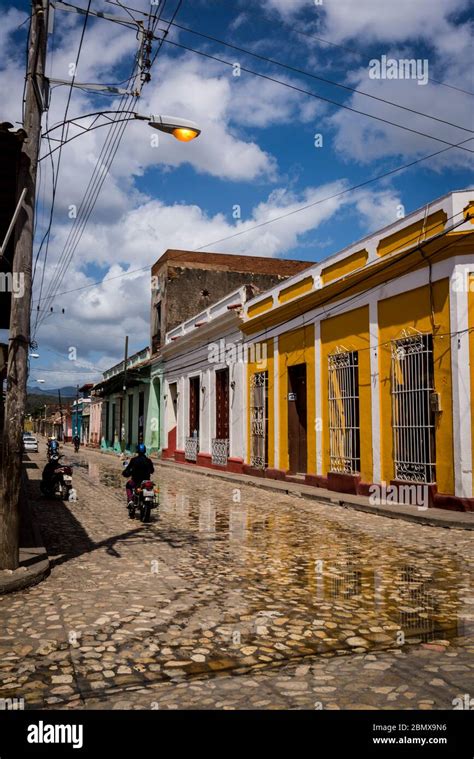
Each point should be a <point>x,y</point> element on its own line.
<point>66,392</point>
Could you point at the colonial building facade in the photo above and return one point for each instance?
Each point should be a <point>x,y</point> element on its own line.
<point>204,383</point>
<point>185,283</point>
<point>370,368</point>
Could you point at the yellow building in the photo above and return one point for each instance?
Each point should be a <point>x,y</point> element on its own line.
<point>369,375</point>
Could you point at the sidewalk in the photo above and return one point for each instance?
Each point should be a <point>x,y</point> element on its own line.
<point>34,561</point>
<point>434,517</point>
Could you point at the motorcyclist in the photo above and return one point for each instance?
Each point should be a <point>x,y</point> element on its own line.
<point>48,472</point>
<point>139,468</point>
<point>53,446</point>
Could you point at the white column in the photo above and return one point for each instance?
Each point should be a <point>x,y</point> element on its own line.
<point>182,415</point>
<point>318,411</point>
<point>237,374</point>
<point>208,426</point>
<point>245,411</point>
<point>460,371</point>
<point>375,388</point>
<point>276,404</point>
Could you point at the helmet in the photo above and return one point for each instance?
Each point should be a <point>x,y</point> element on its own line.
<point>54,457</point>
<point>141,448</point>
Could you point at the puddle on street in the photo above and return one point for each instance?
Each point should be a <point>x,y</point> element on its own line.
<point>266,579</point>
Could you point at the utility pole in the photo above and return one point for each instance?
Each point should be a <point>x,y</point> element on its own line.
<point>19,340</point>
<point>61,412</point>
<point>77,410</point>
<point>124,396</point>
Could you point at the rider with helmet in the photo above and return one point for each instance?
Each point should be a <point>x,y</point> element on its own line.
<point>53,445</point>
<point>139,468</point>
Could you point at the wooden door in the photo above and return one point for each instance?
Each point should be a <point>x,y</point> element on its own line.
<point>222,404</point>
<point>194,386</point>
<point>297,419</point>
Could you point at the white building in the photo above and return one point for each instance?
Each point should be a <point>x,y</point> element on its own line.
<point>204,387</point>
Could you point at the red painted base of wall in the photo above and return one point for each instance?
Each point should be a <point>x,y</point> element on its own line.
<point>337,482</point>
<point>234,464</point>
<point>343,483</point>
<point>275,474</point>
<point>453,502</point>
<point>252,471</point>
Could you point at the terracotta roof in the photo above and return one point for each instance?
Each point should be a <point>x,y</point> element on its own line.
<point>231,262</point>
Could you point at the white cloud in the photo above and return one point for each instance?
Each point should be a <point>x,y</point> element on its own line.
<point>359,138</point>
<point>96,319</point>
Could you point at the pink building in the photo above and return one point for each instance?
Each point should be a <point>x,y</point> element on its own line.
<point>95,424</point>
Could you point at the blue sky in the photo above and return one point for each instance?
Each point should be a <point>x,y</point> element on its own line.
<point>257,148</point>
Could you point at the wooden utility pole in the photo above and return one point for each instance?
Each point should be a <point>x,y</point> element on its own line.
<point>61,437</point>
<point>19,340</point>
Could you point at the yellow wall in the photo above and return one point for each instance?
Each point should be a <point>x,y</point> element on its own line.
<point>413,234</point>
<point>260,307</point>
<point>344,266</point>
<point>470,297</point>
<point>253,368</point>
<point>351,332</point>
<point>297,347</point>
<point>298,288</point>
<point>412,309</point>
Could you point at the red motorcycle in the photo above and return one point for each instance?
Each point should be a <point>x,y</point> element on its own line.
<point>144,499</point>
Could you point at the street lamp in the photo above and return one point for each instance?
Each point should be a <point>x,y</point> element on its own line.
<point>183,130</point>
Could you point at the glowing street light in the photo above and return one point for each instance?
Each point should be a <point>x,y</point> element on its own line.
<point>182,129</point>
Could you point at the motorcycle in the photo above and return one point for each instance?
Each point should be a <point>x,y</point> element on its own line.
<point>52,451</point>
<point>76,446</point>
<point>144,499</point>
<point>60,484</point>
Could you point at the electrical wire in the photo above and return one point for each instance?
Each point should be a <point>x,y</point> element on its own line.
<point>339,307</point>
<point>276,218</point>
<point>56,177</point>
<point>331,82</point>
<point>252,10</point>
<point>314,94</point>
<point>77,231</point>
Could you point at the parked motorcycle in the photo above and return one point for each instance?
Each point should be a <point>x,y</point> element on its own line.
<point>57,479</point>
<point>144,499</point>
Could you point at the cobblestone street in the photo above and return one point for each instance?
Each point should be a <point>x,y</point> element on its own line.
<point>235,598</point>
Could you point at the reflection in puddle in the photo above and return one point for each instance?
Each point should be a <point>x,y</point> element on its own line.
<point>287,581</point>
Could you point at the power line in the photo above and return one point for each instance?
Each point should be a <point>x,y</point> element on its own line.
<point>341,47</point>
<point>96,181</point>
<point>261,335</point>
<point>315,95</point>
<point>332,82</point>
<point>277,218</point>
<point>94,187</point>
<point>56,178</point>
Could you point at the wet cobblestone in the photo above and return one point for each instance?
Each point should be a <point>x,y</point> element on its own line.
<point>235,598</point>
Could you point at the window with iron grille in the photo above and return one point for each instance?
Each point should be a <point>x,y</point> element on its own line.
<point>344,417</point>
<point>413,417</point>
<point>259,420</point>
